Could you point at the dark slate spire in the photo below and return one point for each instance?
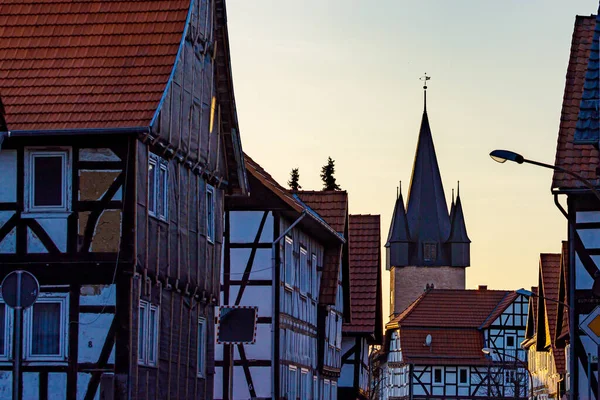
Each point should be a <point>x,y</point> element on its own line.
<point>452,207</point>
<point>458,231</point>
<point>427,211</point>
<point>397,245</point>
<point>587,129</point>
<point>399,226</point>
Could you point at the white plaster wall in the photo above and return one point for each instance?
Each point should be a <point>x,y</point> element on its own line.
<point>5,385</point>
<point>31,386</point>
<point>97,155</point>
<point>346,378</point>
<point>9,244</point>
<point>34,245</point>
<point>97,295</point>
<point>8,176</point>
<point>93,330</point>
<point>583,280</point>
<point>82,385</point>
<point>590,238</point>
<point>261,349</point>
<point>587,216</point>
<point>243,226</point>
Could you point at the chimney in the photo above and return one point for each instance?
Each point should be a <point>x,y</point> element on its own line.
<point>482,287</point>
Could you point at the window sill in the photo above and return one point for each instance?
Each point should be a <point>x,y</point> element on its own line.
<point>161,219</point>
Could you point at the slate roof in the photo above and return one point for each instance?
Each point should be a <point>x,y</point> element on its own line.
<point>458,228</point>
<point>427,211</point>
<point>93,64</point>
<point>365,275</point>
<point>399,225</point>
<point>587,129</point>
<point>454,319</point>
<point>581,159</point>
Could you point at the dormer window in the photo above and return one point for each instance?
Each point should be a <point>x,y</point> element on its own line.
<point>48,180</point>
<point>430,251</point>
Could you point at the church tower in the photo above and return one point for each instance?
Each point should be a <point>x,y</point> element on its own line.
<point>426,244</point>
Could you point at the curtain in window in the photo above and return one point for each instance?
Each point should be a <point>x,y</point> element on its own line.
<point>46,329</point>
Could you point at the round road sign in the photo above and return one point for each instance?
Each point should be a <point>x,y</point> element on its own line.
<point>20,289</point>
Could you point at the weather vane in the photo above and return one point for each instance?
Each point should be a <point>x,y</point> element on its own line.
<point>425,78</point>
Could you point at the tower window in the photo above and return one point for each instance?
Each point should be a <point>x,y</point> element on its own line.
<point>430,251</point>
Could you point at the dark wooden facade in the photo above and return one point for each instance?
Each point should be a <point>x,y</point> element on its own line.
<point>117,253</point>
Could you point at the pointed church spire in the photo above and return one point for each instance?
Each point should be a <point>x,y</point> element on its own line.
<point>427,210</point>
<point>399,226</point>
<point>452,207</point>
<point>458,232</point>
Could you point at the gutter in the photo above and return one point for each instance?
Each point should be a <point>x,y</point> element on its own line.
<point>76,131</point>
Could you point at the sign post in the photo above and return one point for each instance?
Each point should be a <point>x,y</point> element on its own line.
<point>20,290</point>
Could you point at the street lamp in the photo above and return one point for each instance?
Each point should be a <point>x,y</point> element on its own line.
<point>502,156</point>
<point>529,293</point>
<point>489,351</point>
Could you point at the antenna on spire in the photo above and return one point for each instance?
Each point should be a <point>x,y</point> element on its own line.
<point>458,189</point>
<point>425,78</point>
<point>453,196</point>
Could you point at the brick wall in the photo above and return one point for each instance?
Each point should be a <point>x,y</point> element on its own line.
<point>408,283</point>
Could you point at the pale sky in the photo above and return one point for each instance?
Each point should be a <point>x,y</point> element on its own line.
<point>340,78</point>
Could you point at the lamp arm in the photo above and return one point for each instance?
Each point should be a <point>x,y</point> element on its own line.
<point>580,178</point>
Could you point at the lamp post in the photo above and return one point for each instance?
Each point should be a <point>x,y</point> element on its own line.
<point>529,293</point>
<point>502,156</point>
<point>491,352</point>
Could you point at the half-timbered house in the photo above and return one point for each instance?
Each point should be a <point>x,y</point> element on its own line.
<point>434,348</point>
<point>545,359</point>
<point>366,326</point>
<point>577,151</point>
<point>281,256</point>
<point>119,139</point>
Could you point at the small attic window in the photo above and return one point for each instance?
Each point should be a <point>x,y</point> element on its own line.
<point>429,251</point>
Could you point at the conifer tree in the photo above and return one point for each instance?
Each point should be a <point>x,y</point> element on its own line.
<point>294,178</point>
<point>327,177</point>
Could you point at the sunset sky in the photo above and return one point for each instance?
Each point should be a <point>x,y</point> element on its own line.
<point>340,78</point>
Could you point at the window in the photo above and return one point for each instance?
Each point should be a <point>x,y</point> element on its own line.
<point>304,272</point>
<point>510,341</point>
<point>158,187</point>
<point>438,376</point>
<point>147,333</point>
<point>305,390</point>
<point>313,262</point>
<point>463,376</point>
<point>326,390</point>
<point>333,390</point>
<point>202,348</point>
<point>289,261</point>
<point>48,176</point>
<point>45,328</point>
<point>293,383</point>
<point>430,251</point>
<point>315,388</point>
<point>509,376</point>
<point>210,213</point>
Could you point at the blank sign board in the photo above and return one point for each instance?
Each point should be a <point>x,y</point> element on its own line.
<point>237,324</point>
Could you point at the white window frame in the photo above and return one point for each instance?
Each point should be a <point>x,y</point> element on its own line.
<point>506,336</point>
<point>63,300</point>
<point>210,217</point>
<point>293,384</point>
<point>202,347</point>
<point>8,329</point>
<point>441,375</point>
<point>288,262</point>
<point>30,154</point>
<point>304,272</point>
<point>463,383</point>
<point>144,357</point>
<point>160,164</point>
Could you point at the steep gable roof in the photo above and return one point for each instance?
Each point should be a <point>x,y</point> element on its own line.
<point>93,64</point>
<point>581,159</point>
<point>365,276</point>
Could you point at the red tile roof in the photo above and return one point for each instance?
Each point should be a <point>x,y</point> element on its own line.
<point>454,319</point>
<point>332,205</point>
<point>92,64</point>
<point>550,275</point>
<point>449,346</point>
<point>365,275</point>
<point>452,308</point>
<point>581,159</point>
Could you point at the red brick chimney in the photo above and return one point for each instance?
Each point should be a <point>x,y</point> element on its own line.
<point>482,287</point>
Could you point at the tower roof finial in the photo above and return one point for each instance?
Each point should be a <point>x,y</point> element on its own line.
<point>425,78</point>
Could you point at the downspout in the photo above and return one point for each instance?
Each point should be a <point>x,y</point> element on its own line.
<point>274,287</point>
